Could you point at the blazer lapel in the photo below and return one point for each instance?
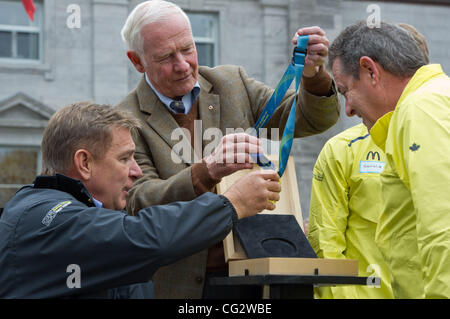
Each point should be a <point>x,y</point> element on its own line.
<point>159,118</point>
<point>208,108</point>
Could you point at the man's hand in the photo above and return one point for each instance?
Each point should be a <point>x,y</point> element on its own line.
<point>317,49</point>
<point>254,192</point>
<point>232,154</point>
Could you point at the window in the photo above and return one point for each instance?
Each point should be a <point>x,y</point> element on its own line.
<point>20,38</point>
<point>18,167</point>
<point>206,36</point>
<point>22,123</point>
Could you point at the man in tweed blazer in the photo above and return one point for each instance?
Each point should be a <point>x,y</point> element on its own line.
<point>161,46</point>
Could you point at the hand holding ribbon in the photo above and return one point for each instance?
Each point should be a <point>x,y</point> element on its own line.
<point>317,49</point>
<point>294,70</point>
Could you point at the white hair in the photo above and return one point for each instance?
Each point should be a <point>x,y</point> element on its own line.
<point>143,14</point>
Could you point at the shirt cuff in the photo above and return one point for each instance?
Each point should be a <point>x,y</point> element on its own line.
<point>201,180</point>
<point>320,84</point>
<point>234,215</point>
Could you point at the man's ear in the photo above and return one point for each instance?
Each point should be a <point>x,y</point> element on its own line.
<point>136,60</point>
<point>82,164</point>
<point>369,70</point>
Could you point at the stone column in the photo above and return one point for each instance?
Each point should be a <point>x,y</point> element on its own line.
<point>109,61</point>
<point>325,14</point>
<point>276,47</point>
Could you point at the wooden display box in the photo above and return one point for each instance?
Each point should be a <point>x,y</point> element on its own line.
<point>289,203</point>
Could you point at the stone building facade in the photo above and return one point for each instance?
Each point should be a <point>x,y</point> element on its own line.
<point>73,52</point>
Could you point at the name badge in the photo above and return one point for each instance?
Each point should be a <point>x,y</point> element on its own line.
<point>371,167</point>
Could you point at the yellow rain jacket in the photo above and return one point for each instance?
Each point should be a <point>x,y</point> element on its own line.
<point>413,232</point>
<point>344,210</point>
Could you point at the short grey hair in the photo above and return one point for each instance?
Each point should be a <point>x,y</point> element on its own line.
<point>83,125</point>
<point>143,14</point>
<point>419,38</point>
<point>389,45</point>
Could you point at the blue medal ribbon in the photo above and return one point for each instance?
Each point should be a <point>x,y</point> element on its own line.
<point>294,70</point>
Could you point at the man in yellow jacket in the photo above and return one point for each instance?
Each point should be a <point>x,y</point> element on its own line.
<point>344,210</point>
<point>346,203</point>
<point>405,104</point>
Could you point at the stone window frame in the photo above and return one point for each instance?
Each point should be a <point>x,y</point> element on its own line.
<point>30,29</point>
<point>44,65</point>
<point>26,148</point>
<point>214,39</point>
<point>29,125</point>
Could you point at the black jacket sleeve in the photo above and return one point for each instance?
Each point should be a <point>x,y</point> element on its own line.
<point>110,248</point>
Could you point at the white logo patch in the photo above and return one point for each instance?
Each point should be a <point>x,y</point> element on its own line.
<point>371,167</point>
<point>48,218</point>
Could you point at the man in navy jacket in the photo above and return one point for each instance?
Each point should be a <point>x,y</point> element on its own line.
<point>66,234</point>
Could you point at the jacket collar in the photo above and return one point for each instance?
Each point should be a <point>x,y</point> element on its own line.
<point>421,76</point>
<point>380,129</point>
<point>65,184</point>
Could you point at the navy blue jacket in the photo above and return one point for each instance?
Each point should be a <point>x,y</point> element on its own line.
<point>53,223</point>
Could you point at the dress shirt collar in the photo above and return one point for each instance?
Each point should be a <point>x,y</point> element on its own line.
<point>97,203</point>
<point>188,99</point>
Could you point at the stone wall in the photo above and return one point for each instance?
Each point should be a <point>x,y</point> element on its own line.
<point>89,63</point>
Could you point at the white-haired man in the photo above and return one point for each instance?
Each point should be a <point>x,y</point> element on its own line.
<point>161,46</point>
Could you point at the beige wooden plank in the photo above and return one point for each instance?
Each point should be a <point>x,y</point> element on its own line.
<point>294,266</point>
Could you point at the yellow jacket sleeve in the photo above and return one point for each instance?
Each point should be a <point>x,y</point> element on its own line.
<point>421,140</point>
<point>329,211</point>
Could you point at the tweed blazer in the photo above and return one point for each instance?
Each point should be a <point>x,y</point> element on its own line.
<point>228,99</point>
